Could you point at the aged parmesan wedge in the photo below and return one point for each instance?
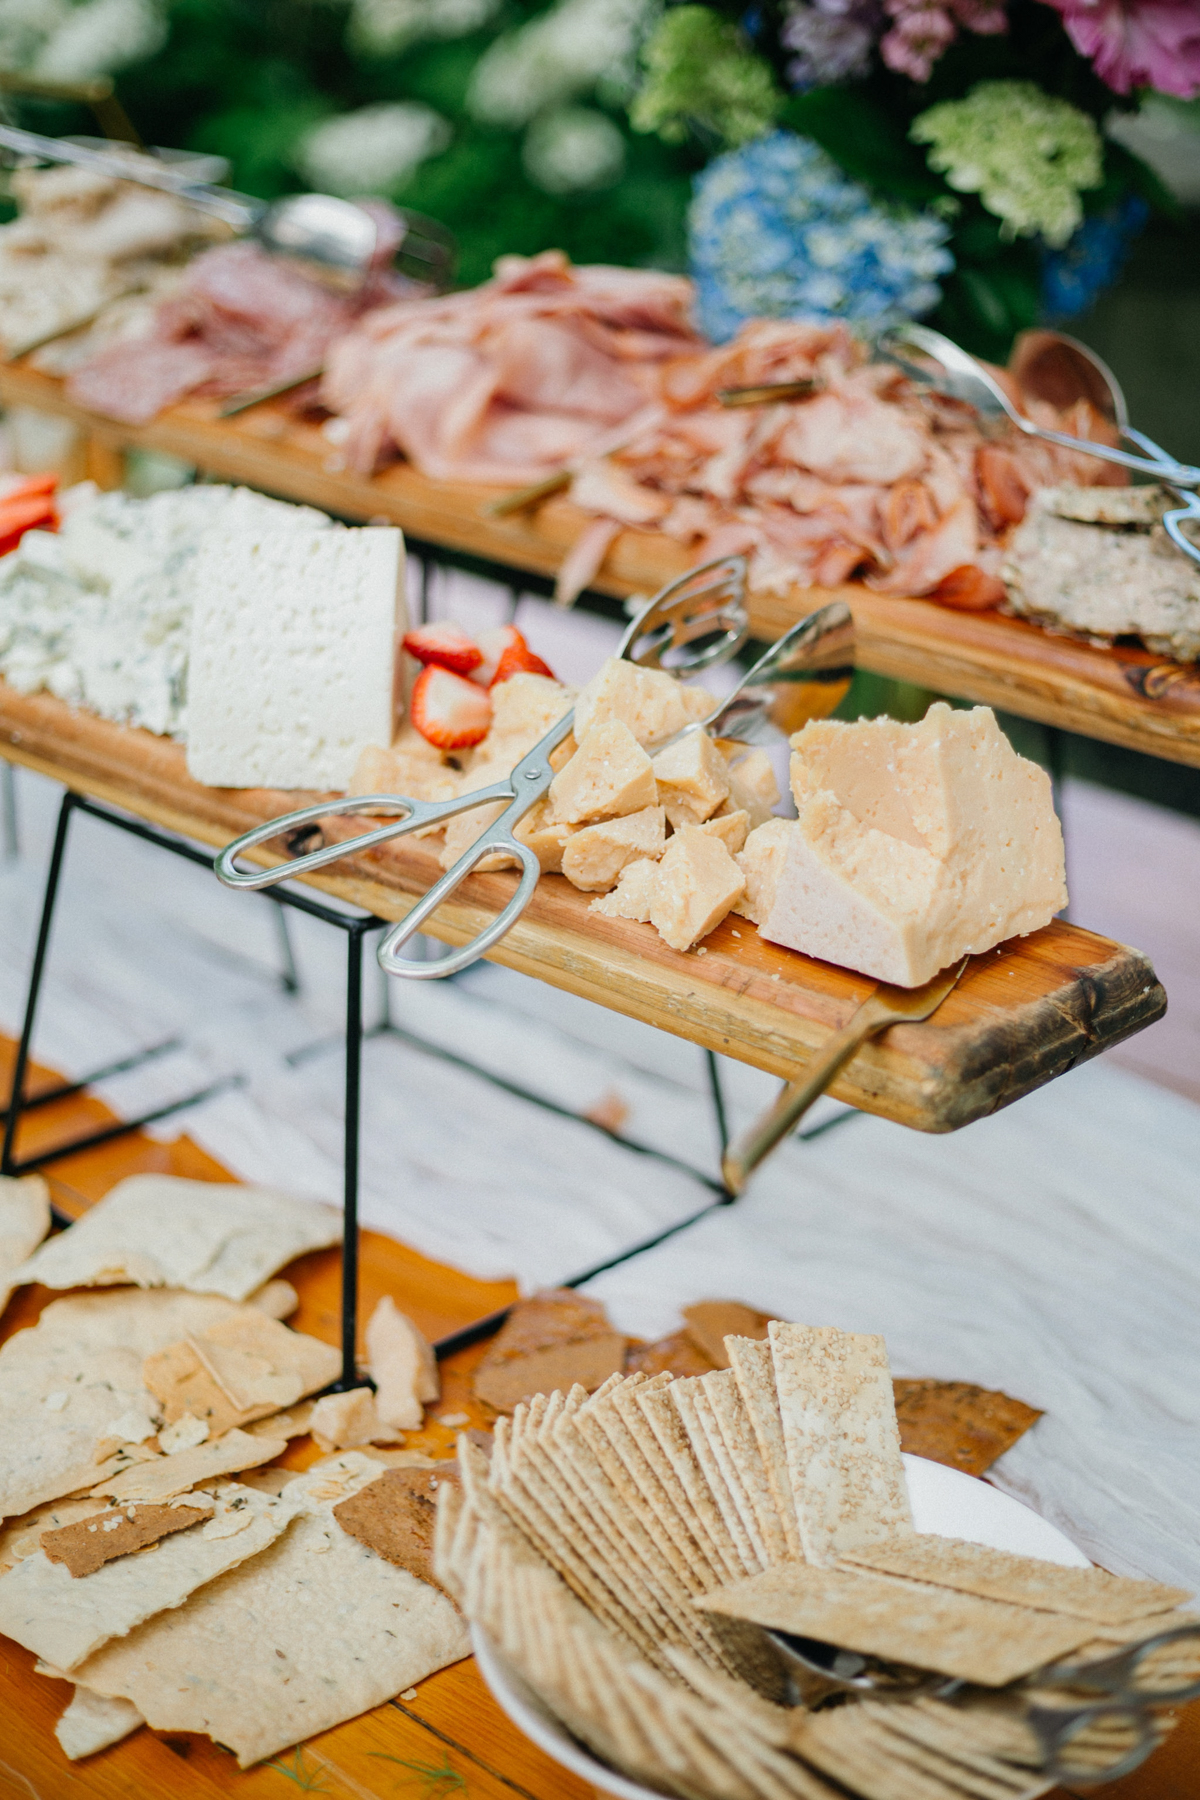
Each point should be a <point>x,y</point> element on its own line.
<point>294,655</point>
<point>914,845</point>
<point>692,779</point>
<point>731,828</point>
<point>697,883</point>
<point>752,785</point>
<point>651,703</point>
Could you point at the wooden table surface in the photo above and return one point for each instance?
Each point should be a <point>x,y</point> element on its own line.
<point>1022,1014</point>
<point>449,1742</point>
<point>1124,696</point>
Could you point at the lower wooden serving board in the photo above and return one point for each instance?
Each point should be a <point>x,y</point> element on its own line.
<point>1021,1015</point>
<point>1122,695</point>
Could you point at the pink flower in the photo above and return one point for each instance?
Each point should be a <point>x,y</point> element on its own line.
<point>1138,43</point>
<point>986,17</point>
<point>918,37</point>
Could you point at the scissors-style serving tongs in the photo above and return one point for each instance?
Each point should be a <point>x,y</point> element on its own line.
<point>1049,365</point>
<point>696,622</point>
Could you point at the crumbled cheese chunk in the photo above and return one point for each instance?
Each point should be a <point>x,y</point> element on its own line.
<point>761,861</point>
<point>731,827</point>
<point>633,895</point>
<point>652,704</point>
<point>753,787</point>
<point>692,779</point>
<point>697,883</point>
<point>596,854</point>
<point>609,775</point>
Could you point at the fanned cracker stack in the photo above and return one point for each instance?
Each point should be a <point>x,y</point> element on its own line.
<point>630,1553</point>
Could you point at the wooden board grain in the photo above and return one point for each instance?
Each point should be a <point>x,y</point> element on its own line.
<point>1021,1015</point>
<point>1123,695</point>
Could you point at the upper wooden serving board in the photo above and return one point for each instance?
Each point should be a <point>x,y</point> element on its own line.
<point>1123,695</point>
<point>1021,1015</point>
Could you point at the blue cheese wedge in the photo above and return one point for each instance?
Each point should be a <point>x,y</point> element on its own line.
<point>294,655</point>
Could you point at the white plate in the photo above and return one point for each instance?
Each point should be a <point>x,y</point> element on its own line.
<point>944,1501</point>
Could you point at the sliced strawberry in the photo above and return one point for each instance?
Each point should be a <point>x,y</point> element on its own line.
<point>517,659</point>
<point>492,645</point>
<point>448,711</point>
<point>37,511</point>
<point>446,645</point>
<point>23,487</point>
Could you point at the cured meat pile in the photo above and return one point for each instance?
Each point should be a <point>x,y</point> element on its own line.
<point>866,476</point>
<point>508,381</point>
<point>239,319</point>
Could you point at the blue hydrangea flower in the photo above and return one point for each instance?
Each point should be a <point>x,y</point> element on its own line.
<point>778,231</point>
<point>1079,273</point>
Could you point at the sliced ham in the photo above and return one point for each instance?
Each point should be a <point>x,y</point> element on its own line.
<point>584,559</point>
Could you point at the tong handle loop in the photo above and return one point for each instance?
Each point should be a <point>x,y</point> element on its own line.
<point>416,814</point>
<point>498,838</point>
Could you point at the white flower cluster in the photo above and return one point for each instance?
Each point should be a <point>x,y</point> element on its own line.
<point>557,57</point>
<point>386,26</point>
<point>372,150</point>
<point>62,41</point>
<point>571,149</point>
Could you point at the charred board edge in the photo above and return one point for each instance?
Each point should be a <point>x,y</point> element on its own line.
<point>986,1070</point>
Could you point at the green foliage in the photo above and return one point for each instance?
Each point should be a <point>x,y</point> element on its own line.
<point>437,1780</point>
<point>701,76</point>
<point>306,1778</point>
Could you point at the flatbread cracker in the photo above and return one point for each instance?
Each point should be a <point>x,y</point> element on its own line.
<point>24,1222</point>
<point>733,1422</point>
<point>841,1437</point>
<point>92,1722</point>
<point>64,1620</point>
<point>1022,1580</point>
<point>691,1403</point>
<point>984,1641</point>
<point>754,1367</point>
<point>314,1630</point>
<point>402,1365</point>
<point>87,1544</point>
<point>209,1237</point>
<point>167,1476</point>
<point>664,1420</point>
<point>68,1381</point>
<point>956,1423</point>
<point>552,1340</point>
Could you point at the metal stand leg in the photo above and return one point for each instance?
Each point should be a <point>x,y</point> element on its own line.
<point>354,1036</point>
<point>10,845</point>
<point>17,1095</point>
<point>718,1099</point>
<point>289,974</point>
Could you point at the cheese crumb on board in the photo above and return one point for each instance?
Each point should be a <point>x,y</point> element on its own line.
<point>692,779</point>
<point>294,656</point>
<point>914,845</point>
<point>595,855</point>
<point>609,775</point>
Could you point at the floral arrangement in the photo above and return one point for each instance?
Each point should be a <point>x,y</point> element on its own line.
<point>869,159</point>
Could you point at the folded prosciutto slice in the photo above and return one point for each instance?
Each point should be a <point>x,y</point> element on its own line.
<point>508,381</point>
<point>240,319</point>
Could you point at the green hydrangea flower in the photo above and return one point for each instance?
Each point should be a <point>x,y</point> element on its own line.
<point>700,73</point>
<point>1026,155</point>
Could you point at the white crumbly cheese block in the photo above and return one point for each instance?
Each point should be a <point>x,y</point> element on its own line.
<point>294,656</point>
<point>914,845</point>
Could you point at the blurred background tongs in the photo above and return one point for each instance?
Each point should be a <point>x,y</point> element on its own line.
<point>1051,366</point>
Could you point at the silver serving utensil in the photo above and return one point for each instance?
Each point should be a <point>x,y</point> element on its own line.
<point>886,1006</point>
<point>802,676</point>
<point>813,1670</point>
<point>1127,1691</point>
<point>1054,367</point>
<point>694,623</point>
<point>962,377</point>
<point>688,611</point>
<point>333,240</point>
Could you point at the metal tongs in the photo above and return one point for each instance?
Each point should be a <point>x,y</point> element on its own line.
<point>694,623</point>
<point>333,240</point>
<point>1113,1698</point>
<point>1048,361</point>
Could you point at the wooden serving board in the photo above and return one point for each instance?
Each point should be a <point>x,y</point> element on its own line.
<point>1021,1015</point>
<point>1124,696</point>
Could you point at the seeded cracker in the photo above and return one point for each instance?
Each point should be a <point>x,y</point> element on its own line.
<point>313,1631</point>
<point>841,1438</point>
<point>664,1419</point>
<point>956,1634</point>
<point>619,1416</point>
<point>754,1367</point>
<point>88,1544</point>
<point>166,1476</point>
<point>691,1404</point>
<point>63,1620</point>
<point>656,1460</point>
<point>741,1445</point>
<point>210,1237</point>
